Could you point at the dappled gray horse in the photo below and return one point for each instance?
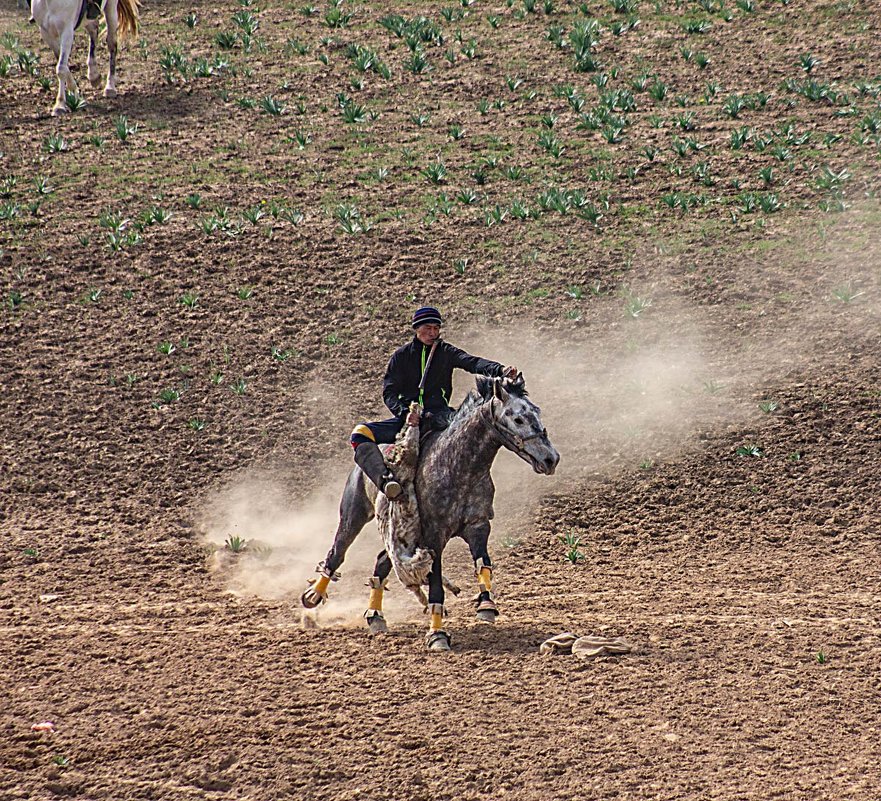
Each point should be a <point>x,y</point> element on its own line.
<point>455,494</point>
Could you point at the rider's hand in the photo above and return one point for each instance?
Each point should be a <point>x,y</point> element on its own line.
<point>413,419</point>
<point>510,372</point>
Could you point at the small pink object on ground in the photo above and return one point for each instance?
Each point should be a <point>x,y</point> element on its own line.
<point>46,725</point>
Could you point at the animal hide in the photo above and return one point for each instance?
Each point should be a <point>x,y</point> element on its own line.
<point>398,521</point>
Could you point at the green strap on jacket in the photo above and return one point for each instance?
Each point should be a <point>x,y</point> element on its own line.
<point>422,391</point>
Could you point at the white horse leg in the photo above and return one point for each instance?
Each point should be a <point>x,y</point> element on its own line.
<point>110,14</point>
<point>65,79</point>
<point>92,29</point>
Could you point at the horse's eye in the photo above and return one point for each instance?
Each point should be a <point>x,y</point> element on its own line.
<point>519,421</point>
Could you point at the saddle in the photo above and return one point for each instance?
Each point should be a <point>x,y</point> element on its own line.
<point>90,9</point>
<point>433,423</point>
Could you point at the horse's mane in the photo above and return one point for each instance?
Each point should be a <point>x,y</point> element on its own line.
<point>484,392</point>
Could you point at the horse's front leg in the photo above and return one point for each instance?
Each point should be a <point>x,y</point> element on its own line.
<point>111,15</point>
<point>477,538</point>
<point>62,70</point>
<point>356,510</point>
<point>374,616</point>
<point>438,639</point>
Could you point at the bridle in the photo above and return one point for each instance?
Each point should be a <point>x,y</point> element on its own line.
<point>513,441</point>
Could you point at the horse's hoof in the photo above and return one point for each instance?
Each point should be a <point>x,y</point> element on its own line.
<point>376,623</point>
<point>109,92</point>
<point>487,611</point>
<point>96,82</point>
<point>60,110</point>
<point>438,641</point>
<point>310,599</point>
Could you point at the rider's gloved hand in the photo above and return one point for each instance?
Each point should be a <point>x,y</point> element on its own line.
<point>510,372</point>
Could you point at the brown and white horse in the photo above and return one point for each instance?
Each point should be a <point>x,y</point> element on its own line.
<point>58,19</point>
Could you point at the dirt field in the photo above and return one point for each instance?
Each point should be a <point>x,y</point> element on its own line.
<point>671,225</point>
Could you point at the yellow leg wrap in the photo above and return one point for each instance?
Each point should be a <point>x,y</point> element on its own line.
<point>437,616</point>
<point>320,586</point>
<point>484,578</point>
<point>375,602</point>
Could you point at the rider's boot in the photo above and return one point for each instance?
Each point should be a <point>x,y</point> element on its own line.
<point>369,458</point>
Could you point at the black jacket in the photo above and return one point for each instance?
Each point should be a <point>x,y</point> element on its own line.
<point>401,383</point>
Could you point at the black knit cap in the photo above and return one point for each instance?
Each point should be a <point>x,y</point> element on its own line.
<point>427,314</point>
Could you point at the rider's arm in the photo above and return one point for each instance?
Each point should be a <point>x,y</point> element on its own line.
<point>393,387</point>
<point>473,364</point>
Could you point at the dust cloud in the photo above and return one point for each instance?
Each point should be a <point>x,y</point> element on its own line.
<point>637,394</point>
<point>614,395</point>
<point>617,393</point>
<point>285,537</point>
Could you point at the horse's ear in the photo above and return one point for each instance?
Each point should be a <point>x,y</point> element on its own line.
<point>499,391</point>
<point>485,387</point>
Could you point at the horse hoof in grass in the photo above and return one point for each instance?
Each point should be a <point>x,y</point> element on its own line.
<point>108,92</point>
<point>438,641</point>
<point>60,110</point>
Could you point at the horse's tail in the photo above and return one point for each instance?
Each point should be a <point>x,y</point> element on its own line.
<point>129,20</point>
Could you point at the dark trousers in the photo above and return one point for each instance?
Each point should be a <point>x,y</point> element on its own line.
<point>385,431</point>
<point>380,432</point>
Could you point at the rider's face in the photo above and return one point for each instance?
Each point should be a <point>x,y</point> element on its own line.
<point>427,333</point>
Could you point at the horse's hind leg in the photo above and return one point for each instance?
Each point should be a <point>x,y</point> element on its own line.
<point>112,16</point>
<point>91,27</point>
<point>438,639</point>
<point>374,616</point>
<point>355,512</point>
<point>478,541</point>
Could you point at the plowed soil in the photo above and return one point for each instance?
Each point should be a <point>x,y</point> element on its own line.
<point>707,369</point>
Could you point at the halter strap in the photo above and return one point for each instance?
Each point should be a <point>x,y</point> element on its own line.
<point>513,441</point>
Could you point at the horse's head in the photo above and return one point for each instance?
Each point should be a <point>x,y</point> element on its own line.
<point>516,421</point>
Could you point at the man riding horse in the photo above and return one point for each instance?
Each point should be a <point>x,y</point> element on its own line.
<point>420,371</point>
<point>447,488</point>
